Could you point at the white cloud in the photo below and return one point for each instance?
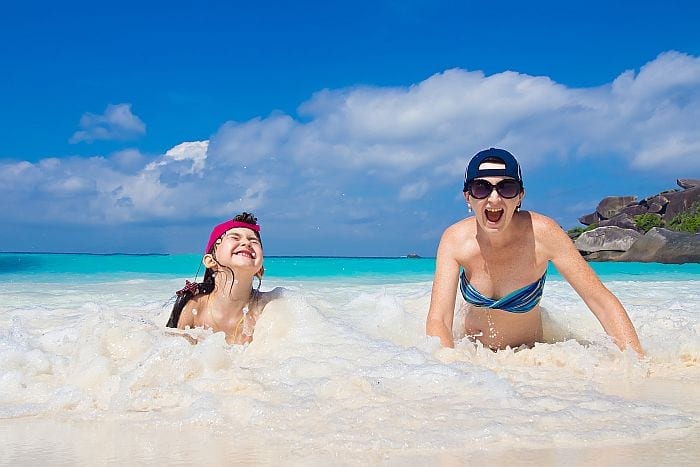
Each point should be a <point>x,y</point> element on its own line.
<point>192,153</point>
<point>414,191</point>
<point>241,144</point>
<point>128,160</point>
<point>116,123</point>
<point>358,151</point>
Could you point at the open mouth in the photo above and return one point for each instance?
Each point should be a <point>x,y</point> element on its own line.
<point>493,215</point>
<point>246,253</point>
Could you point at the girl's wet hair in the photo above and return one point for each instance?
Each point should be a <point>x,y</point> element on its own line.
<point>192,289</point>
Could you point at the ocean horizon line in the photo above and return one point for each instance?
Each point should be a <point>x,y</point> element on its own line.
<point>408,256</point>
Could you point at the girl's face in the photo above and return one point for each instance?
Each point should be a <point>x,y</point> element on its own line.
<point>240,248</point>
<point>495,211</point>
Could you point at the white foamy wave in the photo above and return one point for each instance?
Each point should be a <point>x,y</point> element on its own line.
<point>340,369</point>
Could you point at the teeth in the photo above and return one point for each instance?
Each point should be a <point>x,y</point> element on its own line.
<point>493,215</point>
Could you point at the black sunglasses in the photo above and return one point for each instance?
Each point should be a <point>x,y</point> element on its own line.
<point>507,188</point>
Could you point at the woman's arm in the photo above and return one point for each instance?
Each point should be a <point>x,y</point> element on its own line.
<point>604,305</point>
<point>442,298</point>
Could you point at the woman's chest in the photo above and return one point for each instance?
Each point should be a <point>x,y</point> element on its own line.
<point>497,275</point>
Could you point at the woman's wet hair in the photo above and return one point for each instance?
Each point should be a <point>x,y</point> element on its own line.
<point>193,289</point>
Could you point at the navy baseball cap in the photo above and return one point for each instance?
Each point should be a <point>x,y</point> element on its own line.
<point>512,168</point>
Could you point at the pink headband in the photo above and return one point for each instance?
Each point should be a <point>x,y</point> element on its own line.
<point>224,227</point>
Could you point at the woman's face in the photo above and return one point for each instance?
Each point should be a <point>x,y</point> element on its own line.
<point>495,211</point>
<point>240,248</point>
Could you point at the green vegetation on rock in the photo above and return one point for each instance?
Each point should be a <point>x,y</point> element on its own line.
<point>687,221</point>
<point>574,232</point>
<point>648,221</point>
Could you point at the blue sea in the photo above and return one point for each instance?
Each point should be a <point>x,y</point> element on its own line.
<point>339,372</point>
<point>58,267</point>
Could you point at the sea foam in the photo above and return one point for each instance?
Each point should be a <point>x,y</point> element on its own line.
<point>342,370</point>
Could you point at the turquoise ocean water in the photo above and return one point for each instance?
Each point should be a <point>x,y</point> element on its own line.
<point>340,370</point>
<point>87,267</point>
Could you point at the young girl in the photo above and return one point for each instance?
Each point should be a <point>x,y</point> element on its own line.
<point>225,300</point>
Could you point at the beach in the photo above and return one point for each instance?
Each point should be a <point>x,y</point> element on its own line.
<point>339,372</point>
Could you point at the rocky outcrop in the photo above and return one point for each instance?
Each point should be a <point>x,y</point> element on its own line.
<point>604,256</point>
<point>617,237</point>
<point>667,205</point>
<point>608,238</point>
<point>679,201</point>
<point>688,183</point>
<point>607,208</point>
<point>664,246</point>
<point>612,205</point>
<point>622,220</point>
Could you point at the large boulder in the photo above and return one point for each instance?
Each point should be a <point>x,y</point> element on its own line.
<point>687,182</point>
<point>665,246</point>
<point>634,209</point>
<point>604,255</point>
<point>622,220</point>
<point>656,204</point>
<point>606,238</point>
<point>589,219</point>
<point>679,201</point>
<point>612,205</point>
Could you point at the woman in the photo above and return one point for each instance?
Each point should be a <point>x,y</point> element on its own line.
<point>225,300</point>
<point>503,254</point>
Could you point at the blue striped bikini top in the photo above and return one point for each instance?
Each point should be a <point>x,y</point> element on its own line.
<point>519,301</point>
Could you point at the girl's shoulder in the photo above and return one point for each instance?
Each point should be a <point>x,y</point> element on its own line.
<point>262,299</point>
<point>198,300</point>
<point>274,294</point>
<point>194,306</point>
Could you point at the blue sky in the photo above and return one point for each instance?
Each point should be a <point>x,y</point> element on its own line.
<point>345,126</point>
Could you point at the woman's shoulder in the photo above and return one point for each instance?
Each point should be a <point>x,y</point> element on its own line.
<point>460,229</point>
<point>458,241</point>
<point>542,223</point>
<point>548,233</point>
